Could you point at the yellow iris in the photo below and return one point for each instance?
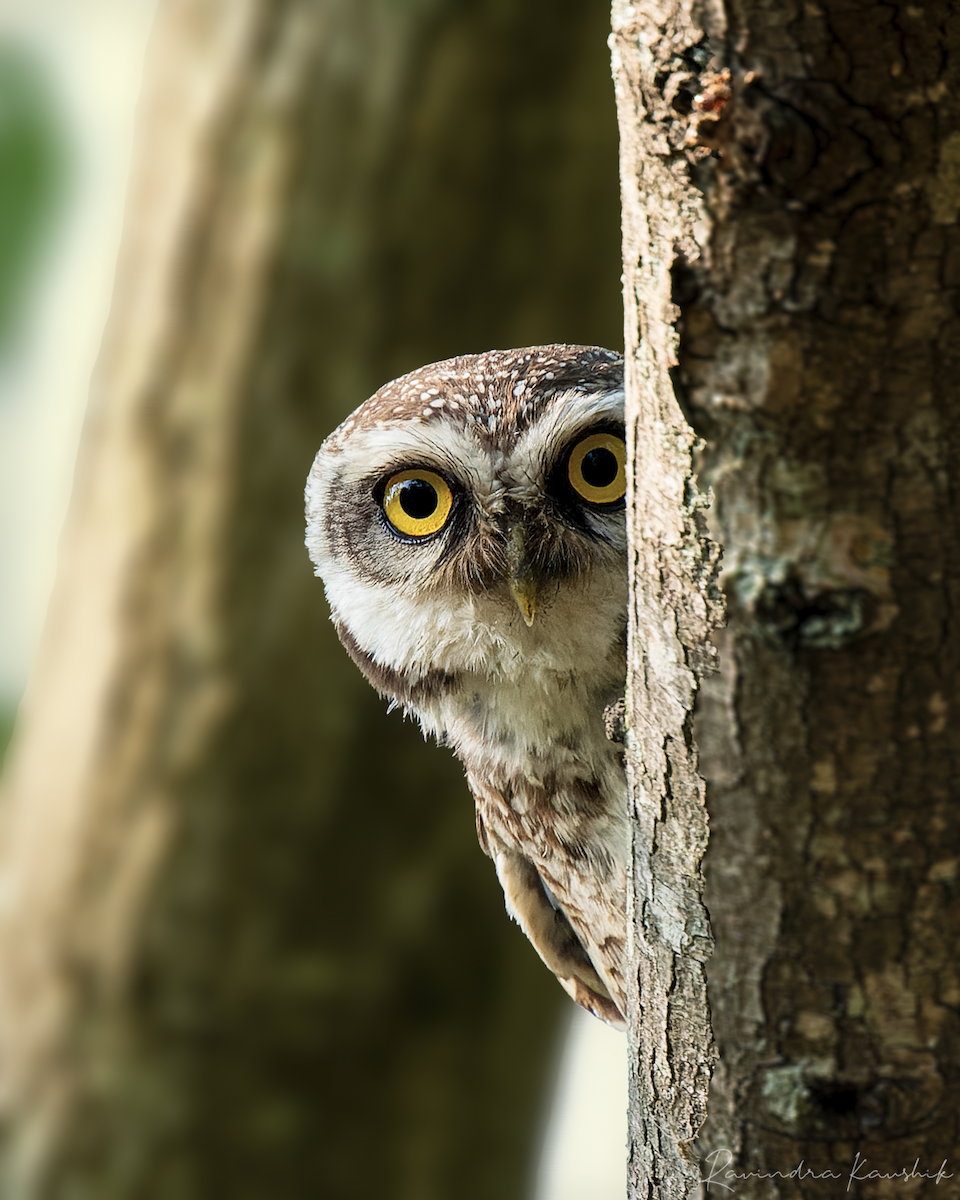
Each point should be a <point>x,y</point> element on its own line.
<point>418,502</point>
<point>597,468</point>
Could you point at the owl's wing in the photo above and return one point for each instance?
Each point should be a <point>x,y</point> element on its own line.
<point>552,935</point>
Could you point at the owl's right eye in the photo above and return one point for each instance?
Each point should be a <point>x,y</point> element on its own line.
<point>417,503</point>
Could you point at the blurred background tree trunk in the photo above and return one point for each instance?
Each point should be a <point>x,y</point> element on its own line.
<point>248,944</point>
<point>793,172</point>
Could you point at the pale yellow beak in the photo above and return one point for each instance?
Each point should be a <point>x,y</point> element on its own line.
<point>522,582</point>
<point>524,591</point>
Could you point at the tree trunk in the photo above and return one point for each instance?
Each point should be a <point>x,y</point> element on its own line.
<point>671,571</point>
<point>794,177</point>
<point>248,944</point>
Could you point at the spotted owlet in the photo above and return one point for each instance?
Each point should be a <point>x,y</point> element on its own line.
<point>468,524</point>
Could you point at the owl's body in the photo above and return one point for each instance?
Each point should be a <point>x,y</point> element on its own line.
<point>470,534</point>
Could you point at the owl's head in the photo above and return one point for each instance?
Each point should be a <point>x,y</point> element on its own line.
<point>471,512</point>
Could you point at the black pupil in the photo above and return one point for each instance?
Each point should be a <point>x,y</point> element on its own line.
<point>599,467</point>
<point>418,499</point>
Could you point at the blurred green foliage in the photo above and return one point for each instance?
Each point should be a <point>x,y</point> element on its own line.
<point>34,169</point>
<point>8,714</point>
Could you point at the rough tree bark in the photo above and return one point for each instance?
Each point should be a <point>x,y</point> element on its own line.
<point>791,178</point>
<point>248,944</point>
<point>675,606</point>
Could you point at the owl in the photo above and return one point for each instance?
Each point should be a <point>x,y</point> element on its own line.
<point>468,524</point>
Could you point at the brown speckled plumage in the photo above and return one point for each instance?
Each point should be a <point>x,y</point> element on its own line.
<point>436,624</point>
<point>499,392</point>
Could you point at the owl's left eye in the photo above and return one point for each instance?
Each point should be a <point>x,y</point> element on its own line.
<point>417,503</point>
<point>597,468</point>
